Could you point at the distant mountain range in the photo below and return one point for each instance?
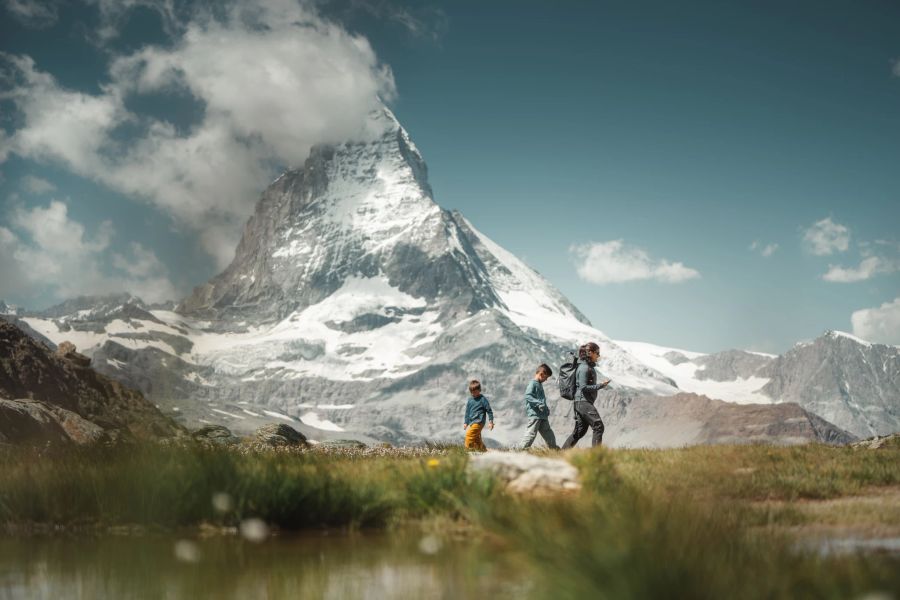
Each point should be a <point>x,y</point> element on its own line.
<point>357,306</point>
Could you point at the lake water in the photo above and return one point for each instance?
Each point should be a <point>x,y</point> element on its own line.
<point>398,565</point>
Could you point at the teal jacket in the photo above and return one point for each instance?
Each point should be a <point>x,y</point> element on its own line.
<point>586,385</point>
<point>476,408</point>
<point>535,401</point>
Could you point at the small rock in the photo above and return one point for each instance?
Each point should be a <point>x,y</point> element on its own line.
<point>344,444</point>
<point>525,473</point>
<point>279,434</point>
<point>879,442</point>
<point>67,351</point>
<point>215,434</point>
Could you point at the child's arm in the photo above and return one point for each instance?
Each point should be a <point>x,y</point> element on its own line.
<point>490,413</point>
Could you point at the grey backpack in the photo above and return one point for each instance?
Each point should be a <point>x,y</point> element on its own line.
<point>566,378</point>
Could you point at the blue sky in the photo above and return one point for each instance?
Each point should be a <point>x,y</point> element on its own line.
<point>705,175</point>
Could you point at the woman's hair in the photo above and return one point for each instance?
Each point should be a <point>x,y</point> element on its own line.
<point>584,351</point>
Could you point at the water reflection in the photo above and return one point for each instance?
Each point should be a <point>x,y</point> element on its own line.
<point>308,566</point>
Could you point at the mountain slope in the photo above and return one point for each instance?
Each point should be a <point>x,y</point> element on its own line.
<point>61,388</point>
<point>845,380</point>
<point>689,419</point>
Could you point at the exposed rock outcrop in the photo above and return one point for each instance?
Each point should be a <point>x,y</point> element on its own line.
<point>279,434</point>
<point>215,434</point>
<point>47,392</point>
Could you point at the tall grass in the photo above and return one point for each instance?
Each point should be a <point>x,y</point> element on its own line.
<point>171,487</point>
<point>617,541</point>
<point>760,472</point>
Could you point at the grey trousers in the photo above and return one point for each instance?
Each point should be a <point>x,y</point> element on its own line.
<point>536,426</point>
<point>586,415</point>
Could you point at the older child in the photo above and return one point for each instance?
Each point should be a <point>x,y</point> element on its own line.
<point>476,409</point>
<point>537,411</point>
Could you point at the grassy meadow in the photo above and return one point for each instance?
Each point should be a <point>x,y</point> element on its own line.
<point>722,521</point>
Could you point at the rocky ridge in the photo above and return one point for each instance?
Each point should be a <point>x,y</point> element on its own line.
<point>57,396</point>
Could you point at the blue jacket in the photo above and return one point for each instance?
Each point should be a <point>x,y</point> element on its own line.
<point>476,409</point>
<point>584,390</point>
<point>535,401</point>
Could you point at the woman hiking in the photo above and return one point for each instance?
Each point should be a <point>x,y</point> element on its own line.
<point>586,387</point>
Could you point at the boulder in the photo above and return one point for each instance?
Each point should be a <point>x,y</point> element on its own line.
<point>279,434</point>
<point>33,422</point>
<point>29,422</point>
<point>525,473</point>
<point>344,444</point>
<point>215,434</point>
<point>67,351</point>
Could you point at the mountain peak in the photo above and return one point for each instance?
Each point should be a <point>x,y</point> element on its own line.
<point>836,335</point>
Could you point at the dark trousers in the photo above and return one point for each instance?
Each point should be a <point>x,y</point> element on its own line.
<point>586,415</point>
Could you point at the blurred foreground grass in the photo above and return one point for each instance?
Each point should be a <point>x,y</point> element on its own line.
<point>696,522</point>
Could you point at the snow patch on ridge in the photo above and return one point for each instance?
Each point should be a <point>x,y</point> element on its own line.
<point>305,343</point>
<point>739,391</point>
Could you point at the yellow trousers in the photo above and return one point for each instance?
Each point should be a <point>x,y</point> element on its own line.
<point>473,437</point>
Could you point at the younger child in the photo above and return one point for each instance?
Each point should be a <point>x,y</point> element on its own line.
<point>476,408</point>
<point>537,411</point>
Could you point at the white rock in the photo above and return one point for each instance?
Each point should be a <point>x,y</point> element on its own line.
<point>527,473</point>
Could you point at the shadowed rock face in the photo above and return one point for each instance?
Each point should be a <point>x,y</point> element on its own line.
<point>689,419</point>
<point>60,387</point>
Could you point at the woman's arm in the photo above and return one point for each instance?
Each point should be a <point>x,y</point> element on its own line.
<point>581,378</point>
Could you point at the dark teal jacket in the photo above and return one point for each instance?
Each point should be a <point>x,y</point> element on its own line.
<point>476,408</point>
<point>536,401</point>
<point>583,389</point>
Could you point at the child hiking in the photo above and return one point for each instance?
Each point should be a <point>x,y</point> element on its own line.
<point>477,409</point>
<point>586,388</point>
<point>537,411</point>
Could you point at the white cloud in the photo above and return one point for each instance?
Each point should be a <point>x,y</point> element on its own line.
<point>36,185</point>
<point>826,237</point>
<point>880,325</point>
<point>273,78</point>
<point>614,262</point>
<point>766,250</point>
<point>55,254</point>
<point>867,268</point>
<point>34,13</point>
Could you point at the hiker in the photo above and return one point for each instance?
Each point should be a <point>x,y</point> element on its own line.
<point>586,414</point>
<point>476,409</point>
<point>537,411</point>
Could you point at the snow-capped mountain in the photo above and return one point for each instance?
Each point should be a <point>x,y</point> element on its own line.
<point>848,381</point>
<point>354,302</point>
<point>6,309</point>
